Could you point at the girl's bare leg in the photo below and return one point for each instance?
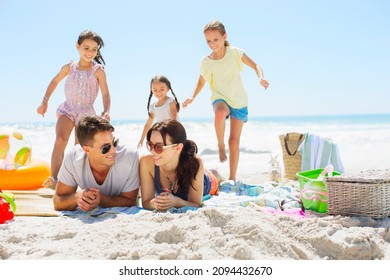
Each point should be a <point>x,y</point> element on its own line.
<point>234,146</point>
<point>64,128</point>
<point>221,111</point>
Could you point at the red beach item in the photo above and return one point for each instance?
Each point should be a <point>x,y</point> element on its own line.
<point>6,203</point>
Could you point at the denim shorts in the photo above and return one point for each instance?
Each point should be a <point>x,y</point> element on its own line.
<point>240,114</point>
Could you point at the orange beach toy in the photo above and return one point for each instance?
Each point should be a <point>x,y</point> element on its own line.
<point>26,177</point>
<point>17,170</point>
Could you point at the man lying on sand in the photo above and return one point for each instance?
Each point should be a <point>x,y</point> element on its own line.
<point>107,174</point>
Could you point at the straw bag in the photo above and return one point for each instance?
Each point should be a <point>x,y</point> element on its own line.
<point>292,159</point>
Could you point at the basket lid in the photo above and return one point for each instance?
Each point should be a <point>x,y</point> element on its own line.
<point>372,176</point>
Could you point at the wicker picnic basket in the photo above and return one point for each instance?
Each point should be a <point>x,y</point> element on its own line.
<point>292,159</point>
<point>365,193</point>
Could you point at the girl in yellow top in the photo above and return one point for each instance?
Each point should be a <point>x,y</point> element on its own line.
<point>221,69</point>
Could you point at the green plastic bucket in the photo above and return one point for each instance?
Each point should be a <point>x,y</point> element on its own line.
<point>314,194</point>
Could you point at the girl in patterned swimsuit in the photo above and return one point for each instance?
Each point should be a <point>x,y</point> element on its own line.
<point>165,107</point>
<point>81,89</point>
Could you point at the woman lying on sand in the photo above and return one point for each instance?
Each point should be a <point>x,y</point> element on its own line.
<point>173,176</point>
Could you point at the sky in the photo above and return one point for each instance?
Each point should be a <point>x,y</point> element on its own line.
<point>320,57</point>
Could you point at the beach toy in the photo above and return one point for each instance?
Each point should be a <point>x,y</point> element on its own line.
<point>314,194</point>
<point>17,170</point>
<point>15,150</point>
<point>7,208</point>
<point>27,177</point>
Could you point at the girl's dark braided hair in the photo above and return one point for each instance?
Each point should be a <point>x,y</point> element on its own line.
<point>161,79</point>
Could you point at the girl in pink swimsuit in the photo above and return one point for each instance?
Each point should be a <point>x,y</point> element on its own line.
<point>81,89</point>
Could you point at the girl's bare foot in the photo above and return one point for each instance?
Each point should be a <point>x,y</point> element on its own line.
<point>50,183</point>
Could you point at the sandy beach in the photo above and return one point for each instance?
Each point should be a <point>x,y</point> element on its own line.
<point>239,233</point>
<point>207,234</point>
<point>222,234</point>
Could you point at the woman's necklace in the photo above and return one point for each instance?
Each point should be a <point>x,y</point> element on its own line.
<point>172,185</point>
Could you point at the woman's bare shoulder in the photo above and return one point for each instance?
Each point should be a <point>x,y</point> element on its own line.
<point>147,159</point>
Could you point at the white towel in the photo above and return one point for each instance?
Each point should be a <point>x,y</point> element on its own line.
<point>318,152</point>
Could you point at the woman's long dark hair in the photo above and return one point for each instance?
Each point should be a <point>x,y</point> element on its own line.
<point>89,34</point>
<point>188,165</point>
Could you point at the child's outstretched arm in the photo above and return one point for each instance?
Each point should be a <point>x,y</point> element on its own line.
<point>147,126</point>
<point>198,88</point>
<point>257,68</point>
<point>42,108</point>
<point>101,76</point>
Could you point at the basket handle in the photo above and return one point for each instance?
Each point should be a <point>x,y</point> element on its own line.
<point>286,138</point>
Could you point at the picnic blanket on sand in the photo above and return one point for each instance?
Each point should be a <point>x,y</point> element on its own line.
<point>232,196</point>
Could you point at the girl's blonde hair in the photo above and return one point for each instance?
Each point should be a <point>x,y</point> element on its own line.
<point>218,26</point>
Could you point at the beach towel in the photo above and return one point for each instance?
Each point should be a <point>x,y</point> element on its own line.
<point>99,213</point>
<point>318,152</point>
<point>235,195</point>
<point>232,196</point>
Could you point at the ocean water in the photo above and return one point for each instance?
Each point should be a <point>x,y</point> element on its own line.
<point>363,140</point>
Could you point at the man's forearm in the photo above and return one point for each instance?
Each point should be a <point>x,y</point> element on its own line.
<point>65,202</point>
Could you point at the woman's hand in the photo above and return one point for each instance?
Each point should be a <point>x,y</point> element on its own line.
<point>164,201</point>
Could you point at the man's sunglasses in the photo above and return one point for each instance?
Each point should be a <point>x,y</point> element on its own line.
<point>107,147</point>
<point>158,147</point>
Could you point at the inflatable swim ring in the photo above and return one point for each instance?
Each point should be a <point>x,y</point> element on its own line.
<point>27,177</point>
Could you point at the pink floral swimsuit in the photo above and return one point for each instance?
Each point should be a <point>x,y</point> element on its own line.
<point>81,90</point>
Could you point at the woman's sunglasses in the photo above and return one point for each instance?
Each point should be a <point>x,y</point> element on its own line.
<point>107,147</point>
<point>158,147</point>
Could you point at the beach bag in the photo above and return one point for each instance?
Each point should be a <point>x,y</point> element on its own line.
<point>292,159</point>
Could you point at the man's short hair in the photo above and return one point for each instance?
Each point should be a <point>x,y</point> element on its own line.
<point>88,126</point>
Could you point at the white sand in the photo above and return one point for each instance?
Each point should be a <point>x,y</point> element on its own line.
<point>206,234</point>
<point>248,233</point>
